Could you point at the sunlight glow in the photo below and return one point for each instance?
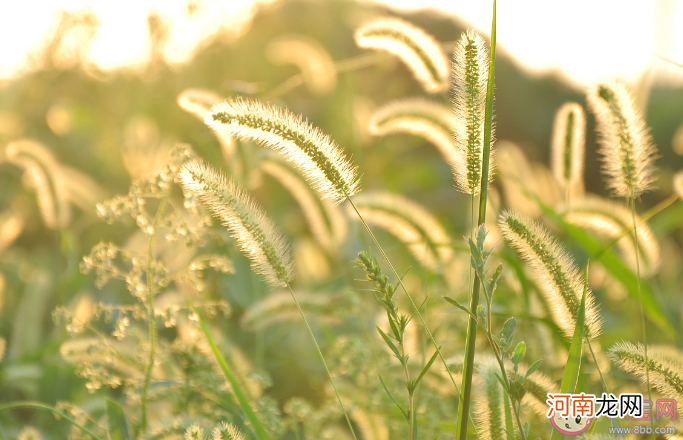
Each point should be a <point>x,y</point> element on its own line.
<point>583,40</point>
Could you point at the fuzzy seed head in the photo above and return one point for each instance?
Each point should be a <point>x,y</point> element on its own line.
<point>255,233</point>
<point>44,174</point>
<point>614,221</point>
<point>410,223</point>
<point>29,433</point>
<point>558,275</point>
<point>568,144</point>
<point>469,81</point>
<point>198,101</point>
<point>194,432</point>
<point>627,150</point>
<point>427,119</point>
<point>488,411</point>
<point>227,431</point>
<point>310,150</point>
<point>418,50</point>
<point>665,366</point>
<point>309,56</point>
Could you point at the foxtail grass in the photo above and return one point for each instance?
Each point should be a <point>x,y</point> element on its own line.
<point>562,283</point>
<point>418,50</point>
<point>314,153</point>
<point>255,234</point>
<point>568,146</point>
<point>427,119</point>
<point>469,88</point>
<point>663,366</point>
<point>42,172</point>
<point>470,347</point>
<point>309,56</point>
<point>628,164</point>
<point>489,410</point>
<point>613,220</point>
<point>627,150</point>
<point>310,150</point>
<point>199,102</point>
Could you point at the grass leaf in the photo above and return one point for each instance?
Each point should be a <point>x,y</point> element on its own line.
<point>571,370</point>
<point>118,425</point>
<point>236,388</point>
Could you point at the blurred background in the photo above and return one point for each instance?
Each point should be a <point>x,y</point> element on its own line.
<point>97,83</point>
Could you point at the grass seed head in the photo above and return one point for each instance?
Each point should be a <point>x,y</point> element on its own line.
<point>256,235</point>
<point>627,150</point>
<point>310,150</point>
<point>665,366</point>
<point>427,119</point>
<point>568,144</point>
<point>559,277</point>
<point>417,49</point>
<point>469,81</point>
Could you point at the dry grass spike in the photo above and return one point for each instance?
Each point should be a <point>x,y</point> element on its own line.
<point>417,49</point>
<point>469,82</point>
<point>561,282</point>
<point>627,150</point>
<point>313,152</point>
<point>256,235</point>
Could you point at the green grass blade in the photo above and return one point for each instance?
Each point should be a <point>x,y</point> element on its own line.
<point>468,364</point>
<point>509,427</point>
<point>118,425</point>
<point>236,388</point>
<point>571,370</point>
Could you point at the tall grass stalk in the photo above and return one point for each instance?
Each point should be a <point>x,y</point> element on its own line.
<point>468,364</point>
<point>150,314</point>
<point>628,164</point>
<point>640,295</point>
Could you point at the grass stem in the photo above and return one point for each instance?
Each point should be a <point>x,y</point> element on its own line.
<point>640,296</point>
<point>150,315</point>
<point>468,364</point>
<point>322,358</point>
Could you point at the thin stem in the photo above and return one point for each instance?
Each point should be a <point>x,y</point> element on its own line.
<point>468,364</point>
<point>411,400</point>
<point>595,361</point>
<point>410,298</point>
<point>150,314</point>
<point>322,358</point>
<point>44,407</point>
<point>661,206</point>
<point>640,296</point>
